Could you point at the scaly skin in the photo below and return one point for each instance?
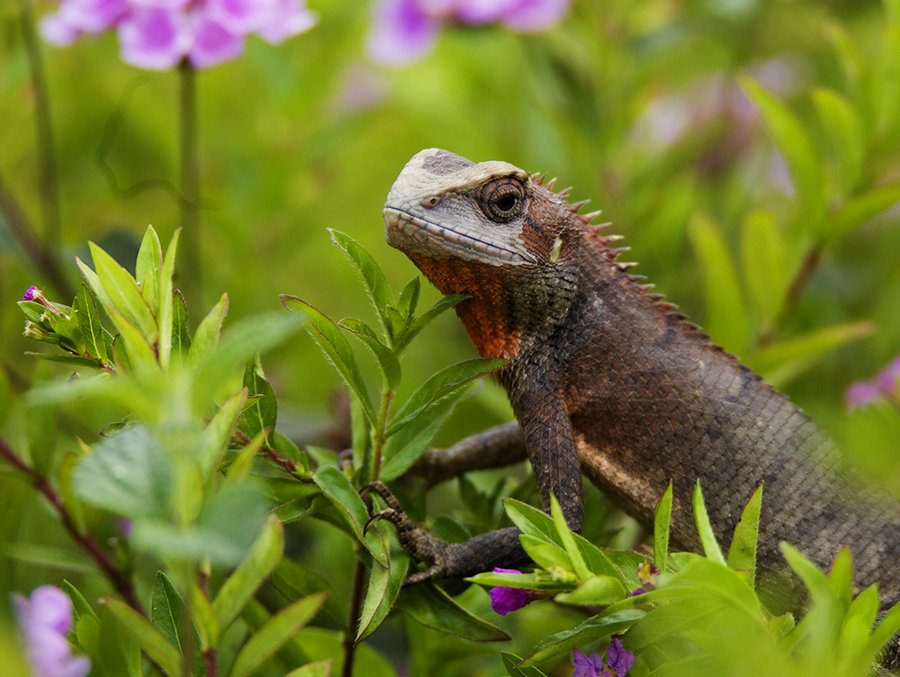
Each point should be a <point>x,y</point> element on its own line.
<point>607,379</point>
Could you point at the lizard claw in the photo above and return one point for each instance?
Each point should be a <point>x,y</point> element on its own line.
<point>416,541</point>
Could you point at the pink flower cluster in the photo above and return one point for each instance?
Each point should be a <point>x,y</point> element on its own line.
<point>159,34</point>
<point>45,619</point>
<point>885,386</point>
<point>404,30</point>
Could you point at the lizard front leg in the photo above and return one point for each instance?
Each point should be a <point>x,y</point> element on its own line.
<point>550,444</point>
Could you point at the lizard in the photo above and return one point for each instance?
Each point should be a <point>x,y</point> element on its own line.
<point>607,379</point>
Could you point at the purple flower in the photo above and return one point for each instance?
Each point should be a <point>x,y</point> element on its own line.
<point>618,658</point>
<point>861,393</point>
<point>886,384</point>
<point>405,30</point>
<point>159,34</point>
<point>505,599</point>
<point>45,619</point>
<point>30,293</point>
<point>888,379</point>
<point>588,666</point>
<point>618,662</point>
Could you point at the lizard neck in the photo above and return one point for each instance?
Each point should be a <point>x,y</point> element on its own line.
<point>486,314</point>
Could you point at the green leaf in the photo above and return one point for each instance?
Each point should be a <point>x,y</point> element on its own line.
<point>295,581</point>
<point>387,361</point>
<point>204,617</point>
<point>532,521</point>
<point>370,272</point>
<point>439,385</point>
<point>122,290</point>
<point>181,340</point>
<point>433,608</point>
<point>409,298</point>
<point>859,209</point>
<point>726,315</point>
<point>404,447</point>
<point>742,553</point>
<point>262,410</point>
<point>764,265</point>
<point>147,266</point>
<point>275,633</point>
<point>565,535</point>
<point>808,572</point>
<point>335,485</point>
<point>320,668</point>
<point>704,528</point>
<point>171,314</point>
<point>594,628</point>
<point>217,433</point>
<point>222,534</point>
<point>545,554</point>
<point>792,140</point>
<point>261,560</point>
<point>510,661</point>
<point>128,474</point>
<point>886,629</point>
<point>336,348</point>
<point>662,522</point>
<point>381,593</point>
<point>443,304</point>
<point>844,130</point>
<point>782,361</point>
<point>594,591</point>
<point>117,653</point>
<point>165,609</point>
<point>206,338</point>
<point>80,605</point>
<point>151,641</point>
<point>535,581</point>
<point>49,556</point>
<point>84,309</point>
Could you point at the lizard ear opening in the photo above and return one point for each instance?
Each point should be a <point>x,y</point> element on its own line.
<point>504,199</point>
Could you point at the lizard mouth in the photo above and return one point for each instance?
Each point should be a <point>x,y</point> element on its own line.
<point>412,234</point>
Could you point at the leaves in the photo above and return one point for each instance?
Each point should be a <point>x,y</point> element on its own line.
<point>432,607</point>
<point>274,633</point>
<point>261,560</point>
<point>704,528</point>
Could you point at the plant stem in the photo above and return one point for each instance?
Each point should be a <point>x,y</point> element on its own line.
<point>48,175</point>
<point>353,616</point>
<point>378,439</point>
<point>378,432</point>
<point>120,581</point>
<point>190,178</point>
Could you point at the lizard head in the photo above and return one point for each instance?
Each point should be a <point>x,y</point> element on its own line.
<point>444,206</point>
<point>495,232</point>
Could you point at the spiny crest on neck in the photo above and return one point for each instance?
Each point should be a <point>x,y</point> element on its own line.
<point>603,245</point>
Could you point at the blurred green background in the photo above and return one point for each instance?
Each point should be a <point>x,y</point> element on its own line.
<point>638,104</point>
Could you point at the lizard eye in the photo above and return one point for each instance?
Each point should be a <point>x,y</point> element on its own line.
<point>503,200</point>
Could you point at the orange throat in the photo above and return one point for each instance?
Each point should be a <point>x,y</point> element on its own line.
<point>485,314</point>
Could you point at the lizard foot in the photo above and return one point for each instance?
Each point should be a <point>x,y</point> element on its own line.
<point>416,541</point>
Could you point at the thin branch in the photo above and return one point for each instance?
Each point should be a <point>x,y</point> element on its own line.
<point>353,616</point>
<point>120,581</point>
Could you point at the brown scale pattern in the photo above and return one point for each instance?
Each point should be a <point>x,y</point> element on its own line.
<point>606,377</point>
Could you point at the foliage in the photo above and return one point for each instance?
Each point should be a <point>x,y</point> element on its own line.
<point>191,504</point>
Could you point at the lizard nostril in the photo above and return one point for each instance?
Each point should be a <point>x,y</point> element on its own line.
<point>431,202</point>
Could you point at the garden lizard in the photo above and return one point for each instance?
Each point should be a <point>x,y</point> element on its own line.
<point>607,379</point>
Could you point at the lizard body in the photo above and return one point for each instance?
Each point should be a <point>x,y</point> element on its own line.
<point>607,379</point>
